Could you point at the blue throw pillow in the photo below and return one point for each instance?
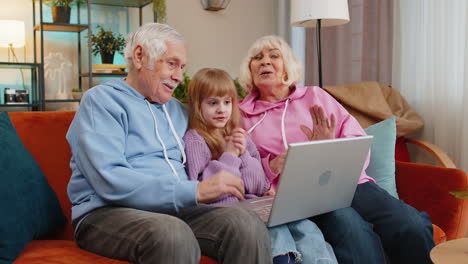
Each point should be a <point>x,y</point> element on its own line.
<point>28,205</point>
<point>382,160</point>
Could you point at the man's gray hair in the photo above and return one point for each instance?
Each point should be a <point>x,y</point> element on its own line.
<point>153,37</point>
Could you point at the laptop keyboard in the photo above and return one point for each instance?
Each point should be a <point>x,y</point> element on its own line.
<point>263,212</point>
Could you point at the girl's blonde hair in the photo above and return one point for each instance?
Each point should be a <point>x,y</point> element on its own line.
<point>205,83</point>
<point>292,66</point>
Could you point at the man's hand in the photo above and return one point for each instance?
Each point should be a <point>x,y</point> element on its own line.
<point>219,184</point>
<point>323,128</point>
<point>277,164</point>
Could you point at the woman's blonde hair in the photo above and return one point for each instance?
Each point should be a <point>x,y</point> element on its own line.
<point>205,83</point>
<point>292,66</point>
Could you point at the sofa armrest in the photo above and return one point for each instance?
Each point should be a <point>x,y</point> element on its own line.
<point>426,187</point>
<point>442,157</point>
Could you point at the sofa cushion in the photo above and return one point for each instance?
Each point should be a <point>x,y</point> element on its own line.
<point>382,160</point>
<point>29,206</point>
<point>43,134</point>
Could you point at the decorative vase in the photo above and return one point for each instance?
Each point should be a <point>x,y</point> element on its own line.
<point>107,58</point>
<point>61,14</point>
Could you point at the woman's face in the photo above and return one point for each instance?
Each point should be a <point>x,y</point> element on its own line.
<point>267,69</point>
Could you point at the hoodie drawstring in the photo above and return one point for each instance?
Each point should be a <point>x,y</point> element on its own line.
<point>258,123</point>
<point>283,116</point>
<point>283,131</point>
<point>162,142</point>
<point>184,158</point>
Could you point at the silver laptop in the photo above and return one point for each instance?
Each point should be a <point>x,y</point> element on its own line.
<point>318,177</point>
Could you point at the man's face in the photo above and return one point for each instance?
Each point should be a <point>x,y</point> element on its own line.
<point>158,84</point>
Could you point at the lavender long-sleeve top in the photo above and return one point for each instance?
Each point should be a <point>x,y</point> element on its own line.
<point>248,166</point>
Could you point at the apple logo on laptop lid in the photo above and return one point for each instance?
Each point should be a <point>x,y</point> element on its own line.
<point>325,177</point>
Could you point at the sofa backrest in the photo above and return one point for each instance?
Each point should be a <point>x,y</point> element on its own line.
<point>43,134</point>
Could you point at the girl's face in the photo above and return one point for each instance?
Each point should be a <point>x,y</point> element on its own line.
<point>216,110</point>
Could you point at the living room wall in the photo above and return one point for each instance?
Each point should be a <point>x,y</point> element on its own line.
<point>220,39</point>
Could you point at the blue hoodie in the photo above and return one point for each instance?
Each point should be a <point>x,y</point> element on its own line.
<point>125,153</point>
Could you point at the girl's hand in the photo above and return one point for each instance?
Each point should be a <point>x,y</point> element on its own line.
<point>238,138</point>
<point>277,164</point>
<point>230,147</point>
<point>323,128</point>
<point>270,192</point>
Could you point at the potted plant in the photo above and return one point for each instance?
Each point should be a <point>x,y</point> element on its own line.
<point>61,9</point>
<point>77,94</point>
<point>106,43</point>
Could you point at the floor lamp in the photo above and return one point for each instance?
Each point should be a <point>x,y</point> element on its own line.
<point>319,13</point>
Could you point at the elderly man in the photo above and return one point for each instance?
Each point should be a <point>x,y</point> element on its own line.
<point>131,196</point>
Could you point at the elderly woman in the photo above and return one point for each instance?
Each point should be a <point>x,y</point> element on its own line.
<point>277,112</point>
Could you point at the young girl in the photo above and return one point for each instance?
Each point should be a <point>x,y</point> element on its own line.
<point>215,142</point>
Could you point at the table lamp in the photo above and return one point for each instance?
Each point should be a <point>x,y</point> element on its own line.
<point>319,13</point>
<point>12,35</point>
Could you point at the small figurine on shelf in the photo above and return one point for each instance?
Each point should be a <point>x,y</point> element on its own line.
<point>106,43</point>
<point>61,9</point>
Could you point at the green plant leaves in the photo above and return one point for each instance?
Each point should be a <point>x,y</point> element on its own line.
<point>460,194</point>
<point>107,41</point>
<point>159,7</point>
<point>181,92</point>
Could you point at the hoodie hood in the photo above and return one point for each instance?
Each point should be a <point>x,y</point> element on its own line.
<point>250,105</point>
<point>122,86</point>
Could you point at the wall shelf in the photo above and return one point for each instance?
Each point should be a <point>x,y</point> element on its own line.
<point>61,100</point>
<point>34,90</point>
<point>104,74</point>
<point>19,105</point>
<point>82,26</point>
<point>18,65</point>
<point>123,3</point>
<point>61,27</point>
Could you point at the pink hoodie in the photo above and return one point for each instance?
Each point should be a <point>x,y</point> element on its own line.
<point>266,122</point>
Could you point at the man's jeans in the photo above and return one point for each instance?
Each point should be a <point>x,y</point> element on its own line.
<point>228,235</point>
<point>376,223</point>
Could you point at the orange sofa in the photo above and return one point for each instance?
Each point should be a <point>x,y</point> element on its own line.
<point>43,133</point>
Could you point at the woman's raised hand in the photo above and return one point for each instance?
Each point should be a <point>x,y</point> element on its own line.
<point>323,128</point>
<point>236,142</point>
<point>277,164</point>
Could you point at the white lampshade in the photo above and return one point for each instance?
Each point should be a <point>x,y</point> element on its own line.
<point>304,13</point>
<point>12,33</point>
